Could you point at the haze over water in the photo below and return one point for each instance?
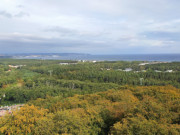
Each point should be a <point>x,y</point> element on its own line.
<point>122,57</point>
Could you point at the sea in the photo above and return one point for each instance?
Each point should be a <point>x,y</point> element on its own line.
<point>120,57</point>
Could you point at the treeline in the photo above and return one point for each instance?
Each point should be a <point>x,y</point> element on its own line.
<point>98,73</point>
<point>164,66</point>
<point>129,110</point>
<point>63,88</point>
<point>32,62</point>
<point>42,78</point>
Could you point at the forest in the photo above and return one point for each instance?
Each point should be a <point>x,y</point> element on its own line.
<point>90,98</point>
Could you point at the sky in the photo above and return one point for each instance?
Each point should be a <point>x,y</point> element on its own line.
<point>90,26</point>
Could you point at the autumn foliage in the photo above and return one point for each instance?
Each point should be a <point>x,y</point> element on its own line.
<point>128,111</point>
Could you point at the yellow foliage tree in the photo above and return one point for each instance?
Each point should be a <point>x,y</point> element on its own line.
<point>28,120</point>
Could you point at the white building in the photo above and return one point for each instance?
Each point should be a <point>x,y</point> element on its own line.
<point>128,69</point>
<point>157,71</point>
<point>64,63</point>
<point>169,71</point>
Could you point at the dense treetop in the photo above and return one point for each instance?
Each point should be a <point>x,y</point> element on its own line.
<point>90,98</point>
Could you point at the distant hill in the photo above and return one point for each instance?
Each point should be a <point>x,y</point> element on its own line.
<point>4,57</point>
<point>46,55</point>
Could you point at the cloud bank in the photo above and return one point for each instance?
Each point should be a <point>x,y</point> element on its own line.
<point>96,26</point>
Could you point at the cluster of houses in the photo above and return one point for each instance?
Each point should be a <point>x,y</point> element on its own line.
<point>93,61</point>
<point>167,71</point>
<point>142,64</point>
<point>150,63</point>
<point>66,63</point>
<point>8,109</point>
<point>126,69</point>
<point>157,71</point>
<point>16,66</point>
<point>130,69</point>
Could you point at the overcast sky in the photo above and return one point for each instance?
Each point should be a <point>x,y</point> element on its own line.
<point>90,26</point>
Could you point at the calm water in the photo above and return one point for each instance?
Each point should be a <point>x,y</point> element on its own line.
<point>138,57</point>
<point>132,57</point>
